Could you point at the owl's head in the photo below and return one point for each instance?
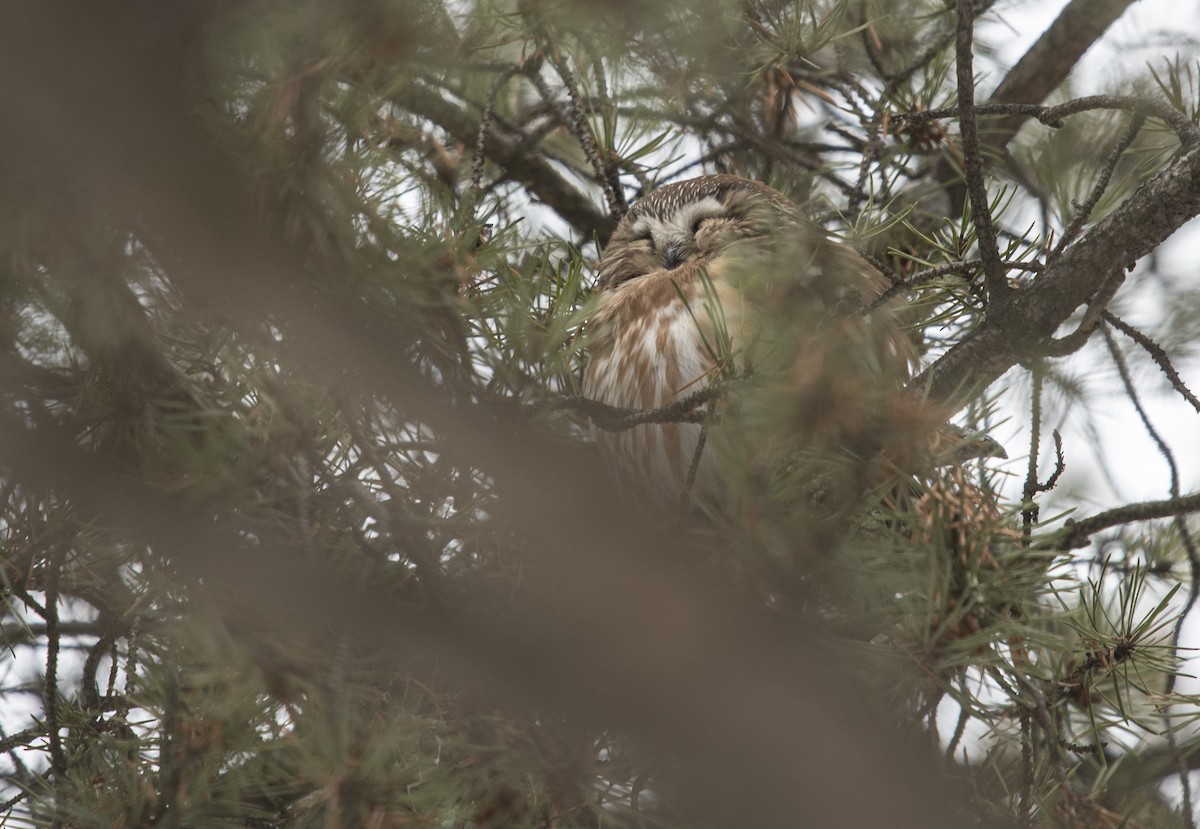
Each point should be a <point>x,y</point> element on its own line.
<point>691,222</point>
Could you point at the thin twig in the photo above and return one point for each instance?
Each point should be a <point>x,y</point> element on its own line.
<point>697,454</point>
<point>10,748</point>
<point>22,739</point>
<point>1076,533</point>
<point>7,806</point>
<point>1163,448</point>
<point>1189,545</point>
<point>58,759</point>
<point>1052,116</point>
<point>1029,512</point>
<point>1040,713</point>
<point>1033,486</point>
<point>110,690</point>
<point>618,419</point>
<point>985,232</point>
<point>1188,133</point>
<point>960,728</point>
<point>1025,803</point>
<point>485,126</point>
<point>131,652</point>
<point>924,277</point>
<point>1157,354</point>
<point>1060,464</point>
<point>90,697</point>
<point>606,173</point>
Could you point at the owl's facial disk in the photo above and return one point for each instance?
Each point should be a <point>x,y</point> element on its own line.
<point>692,223</point>
<point>690,230</point>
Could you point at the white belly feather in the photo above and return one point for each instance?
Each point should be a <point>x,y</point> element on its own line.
<point>649,348</point>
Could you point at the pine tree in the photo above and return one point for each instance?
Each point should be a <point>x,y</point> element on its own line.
<point>301,522</point>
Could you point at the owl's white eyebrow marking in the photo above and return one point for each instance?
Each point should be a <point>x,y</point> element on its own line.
<point>643,226</point>
<point>678,223</point>
<point>706,208</point>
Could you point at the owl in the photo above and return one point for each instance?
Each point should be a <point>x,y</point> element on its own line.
<point>685,283</point>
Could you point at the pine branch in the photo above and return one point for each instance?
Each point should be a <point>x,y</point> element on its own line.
<point>661,681</point>
<point>981,211</point>
<point>1155,210</point>
<point>108,324</point>
<point>1159,356</point>
<point>1077,533</point>
<point>1039,72</point>
<point>927,275</point>
<point>519,160</point>
<point>618,419</point>
<point>1053,116</point>
<point>573,115</point>
<point>1048,62</point>
<point>21,739</point>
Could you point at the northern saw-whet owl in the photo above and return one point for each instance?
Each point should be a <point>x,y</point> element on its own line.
<point>685,283</point>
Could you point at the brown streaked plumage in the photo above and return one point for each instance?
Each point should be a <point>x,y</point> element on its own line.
<point>681,284</point>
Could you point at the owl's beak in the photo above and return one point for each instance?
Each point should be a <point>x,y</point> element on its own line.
<point>675,256</point>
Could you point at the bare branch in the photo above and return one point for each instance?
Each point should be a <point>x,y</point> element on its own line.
<point>1189,133</point>
<point>485,127</point>
<point>58,756</point>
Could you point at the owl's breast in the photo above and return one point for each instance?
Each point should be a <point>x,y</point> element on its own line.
<point>653,340</point>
